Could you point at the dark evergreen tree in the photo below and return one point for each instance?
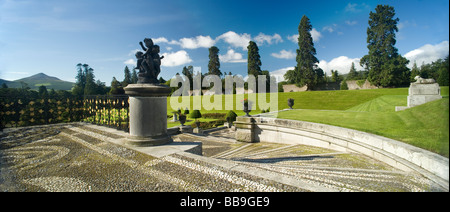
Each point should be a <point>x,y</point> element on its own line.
<point>127,77</point>
<point>443,78</point>
<point>134,77</point>
<point>305,73</point>
<point>386,67</point>
<point>43,94</point>
<point>90,87</point>
<point>214,63</point>
<point>352,74</point>
<point>78,89</point>
<point>254,60</point>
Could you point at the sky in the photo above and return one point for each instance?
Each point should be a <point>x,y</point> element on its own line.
<point>53,36</point>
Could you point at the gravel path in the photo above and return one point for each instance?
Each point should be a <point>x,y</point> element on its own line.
<point>79,157</point>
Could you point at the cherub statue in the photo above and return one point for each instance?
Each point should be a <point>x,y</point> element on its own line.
<point>149,62</point>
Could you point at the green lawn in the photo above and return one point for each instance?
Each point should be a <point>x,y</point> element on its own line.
<point>425,126</point>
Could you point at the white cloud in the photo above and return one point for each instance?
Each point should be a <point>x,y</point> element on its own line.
<point>351,23</point>
<point>232,57</point>
<point>235,40</point>
<point>130,62</point>
<point>279,74</point>
<point>428,53</point>
<point>261,38</point>
<point>341,64</point>
<point>188,43</point>
<point>133,52</point>
<point>284,54</point>
<point>175,58</point>
<point>330,28</point>
<point>293,38</point>
<point>160,40</point>
<point>197,42</point>
<point>351,7</point>
<point>315,35</point>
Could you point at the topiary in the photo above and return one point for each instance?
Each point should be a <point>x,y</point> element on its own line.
<point>195,114</point>
<point>231,116</point>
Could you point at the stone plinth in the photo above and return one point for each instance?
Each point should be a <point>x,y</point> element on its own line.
<point>148,114</point>
<point>423,93</point>
<point>420,93</point>
<point>245,129</point>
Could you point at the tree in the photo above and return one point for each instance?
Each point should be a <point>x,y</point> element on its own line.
<point>335,76</point>
<point>386,67</point>
<point>254,61</point>
<point>214,63</point>
<point>415,71</point>
<point>344,85</point>
<point>127,77</point>
<point>305,73</point>
<point>78,89</point>
<point>134,77</point>
<point>43,92</point>
<point>116,87</point>
<point>189,73</point>
<point>90,87</point>
<point>352,74</point>
<point>443,70</point>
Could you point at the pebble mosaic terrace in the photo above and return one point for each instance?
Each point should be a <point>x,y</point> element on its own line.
<point>81,158</point>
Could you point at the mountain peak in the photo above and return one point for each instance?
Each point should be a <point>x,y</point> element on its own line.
<point>40,79</point>
<point>40,76</point>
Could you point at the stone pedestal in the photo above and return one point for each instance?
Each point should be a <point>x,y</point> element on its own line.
<point>148,114</point>
<point>423,93</point>
<point>420,93</point>
<point>245,129</point>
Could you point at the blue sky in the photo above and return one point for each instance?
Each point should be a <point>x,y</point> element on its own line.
<point>52,36</point>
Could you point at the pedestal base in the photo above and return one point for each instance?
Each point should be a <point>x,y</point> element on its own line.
<point>148,141</point>
<point>245,129</point>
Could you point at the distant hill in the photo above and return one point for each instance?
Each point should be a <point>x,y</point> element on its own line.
<point>40,79</point>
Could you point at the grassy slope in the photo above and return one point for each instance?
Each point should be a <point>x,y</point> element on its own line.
<point>425,126</point>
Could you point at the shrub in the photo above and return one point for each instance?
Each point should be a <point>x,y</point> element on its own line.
<point>195,114</point>
<point>214,115</point>
<point>231,115</point>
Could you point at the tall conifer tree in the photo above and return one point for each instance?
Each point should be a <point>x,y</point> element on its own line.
<point>254,60</point>
<point>306,72</point>
<point>386,67</point>
<point>214,63</point>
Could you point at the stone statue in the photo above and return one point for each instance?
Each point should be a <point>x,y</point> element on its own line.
<point>420,80</point>
<point>148,62</point>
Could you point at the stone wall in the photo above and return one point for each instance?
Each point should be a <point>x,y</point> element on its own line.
<point>294,88</point>
<point>353,85</point>
<point>397,154</point>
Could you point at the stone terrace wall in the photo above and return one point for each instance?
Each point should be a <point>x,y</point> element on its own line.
<point>392,152</point>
